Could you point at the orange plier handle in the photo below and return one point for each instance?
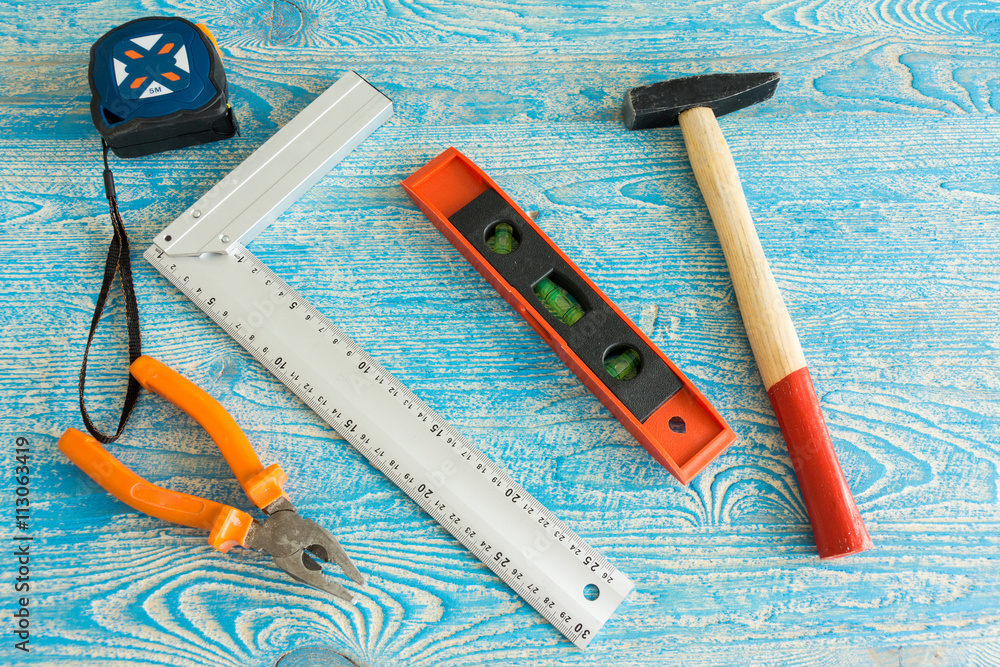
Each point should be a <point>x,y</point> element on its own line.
<point>227,525</point>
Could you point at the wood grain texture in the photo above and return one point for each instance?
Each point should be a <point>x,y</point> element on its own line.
<point>769,328</point>
<point>873,179</point>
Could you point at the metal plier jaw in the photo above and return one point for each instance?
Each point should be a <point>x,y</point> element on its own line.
<point>295,543</point>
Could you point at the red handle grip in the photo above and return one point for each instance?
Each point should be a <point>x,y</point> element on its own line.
<point>836,522</point>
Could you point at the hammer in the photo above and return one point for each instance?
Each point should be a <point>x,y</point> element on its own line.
<point>694,103</point>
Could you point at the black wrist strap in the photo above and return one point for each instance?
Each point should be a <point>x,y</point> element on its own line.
<point>119,262</point>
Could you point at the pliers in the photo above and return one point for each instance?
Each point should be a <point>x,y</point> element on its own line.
<point>291,540</point>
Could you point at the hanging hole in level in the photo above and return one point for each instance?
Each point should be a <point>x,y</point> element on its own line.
<point>591,592</point>
<point>677,425</point>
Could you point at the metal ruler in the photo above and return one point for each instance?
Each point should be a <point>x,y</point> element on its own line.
<point>567,581</point>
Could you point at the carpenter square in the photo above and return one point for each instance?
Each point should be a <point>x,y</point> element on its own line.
<point>203,253</point>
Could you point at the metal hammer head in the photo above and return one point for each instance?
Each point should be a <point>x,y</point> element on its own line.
<point>659,104</point>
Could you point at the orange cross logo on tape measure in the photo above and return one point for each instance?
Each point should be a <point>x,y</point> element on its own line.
<point>150,66</point>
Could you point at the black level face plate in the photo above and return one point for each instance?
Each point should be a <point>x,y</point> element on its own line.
<point>593,335</point>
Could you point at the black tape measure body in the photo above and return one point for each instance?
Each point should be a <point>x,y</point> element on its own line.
<point>158,84</point>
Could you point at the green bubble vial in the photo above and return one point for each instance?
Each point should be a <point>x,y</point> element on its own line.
<point>558,302</point>
<point>502,241</point>
<point>624,366</point>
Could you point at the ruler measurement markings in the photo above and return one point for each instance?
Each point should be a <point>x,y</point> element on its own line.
<point>497,554</point>
<point>545,604</point>
<point>485,465</point>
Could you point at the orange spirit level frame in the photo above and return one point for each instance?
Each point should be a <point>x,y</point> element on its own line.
<point>659,406</point>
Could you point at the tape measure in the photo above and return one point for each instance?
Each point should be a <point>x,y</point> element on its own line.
<point>158,84</point>
<point>203,253</point>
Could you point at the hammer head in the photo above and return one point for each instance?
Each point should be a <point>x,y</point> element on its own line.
<point>659,104</point>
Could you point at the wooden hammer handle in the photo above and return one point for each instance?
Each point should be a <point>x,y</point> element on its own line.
<point>772,335</point>
<point>836,522</point>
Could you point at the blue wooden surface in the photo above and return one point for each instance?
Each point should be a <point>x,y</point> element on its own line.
<point>873,177</point>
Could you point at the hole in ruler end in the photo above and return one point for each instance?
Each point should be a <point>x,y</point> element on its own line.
<point>591,592</point>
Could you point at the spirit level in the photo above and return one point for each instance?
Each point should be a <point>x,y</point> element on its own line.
<point>202,252</point>
<point>646,392</point>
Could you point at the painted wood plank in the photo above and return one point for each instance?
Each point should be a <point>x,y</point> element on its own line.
<point>872,178</point>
